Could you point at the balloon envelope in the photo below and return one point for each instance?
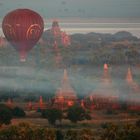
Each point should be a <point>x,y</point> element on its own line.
<point>23,28</point>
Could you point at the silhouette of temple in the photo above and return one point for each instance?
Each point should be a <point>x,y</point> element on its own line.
<point>105,95</point>
<point>65,95</point>
<point>40,105</point>
<point>131,83</point>
<point>134,90</point>
<point>56,31</point>
<point>129,77</point>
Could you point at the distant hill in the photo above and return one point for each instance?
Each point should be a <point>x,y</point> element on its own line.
<point>84,49</point>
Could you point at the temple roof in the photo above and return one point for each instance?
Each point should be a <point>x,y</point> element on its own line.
<point>105,86</point>
<point>66,90</point>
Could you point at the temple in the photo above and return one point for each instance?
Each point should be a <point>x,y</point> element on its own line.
<point>65,95</point>
<point>56,31</point>
<point>40,105</point>
<point>131,83</point>
<point>129,77</point>
<point>105,95</point>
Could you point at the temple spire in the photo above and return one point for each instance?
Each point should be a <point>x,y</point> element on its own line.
<point>65,95</point>
<point>41,102</point>
<point>129,77</point>
<point>65,76</point>
<point>106,76</point>
<point>105,67</point>
<point>56,29</point>
<point>131,82</point>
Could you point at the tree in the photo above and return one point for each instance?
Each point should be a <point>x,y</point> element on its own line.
<point>138,123</point>
<point>5,114</point>
<point>52,115</point>
<point>77,113</point>
<point>18,112</point>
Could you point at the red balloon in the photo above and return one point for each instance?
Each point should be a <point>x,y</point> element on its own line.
<point>23,28</point>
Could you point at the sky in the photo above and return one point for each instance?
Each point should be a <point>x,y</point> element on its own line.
<point>76,8</point>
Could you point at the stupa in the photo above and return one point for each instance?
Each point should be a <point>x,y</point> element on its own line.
<point>65,95</point>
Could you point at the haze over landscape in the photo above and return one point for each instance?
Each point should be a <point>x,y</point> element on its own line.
<point>70,69</point>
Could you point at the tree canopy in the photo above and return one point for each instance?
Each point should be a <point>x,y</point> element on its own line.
<point>52,115</point>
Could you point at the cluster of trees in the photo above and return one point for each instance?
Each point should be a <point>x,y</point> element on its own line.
<point>74,113</point>
<point>7,113</point>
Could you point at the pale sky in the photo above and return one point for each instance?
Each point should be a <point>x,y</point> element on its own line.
<point>76,8</point>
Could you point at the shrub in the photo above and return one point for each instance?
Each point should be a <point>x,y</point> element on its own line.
<point>18,112</point>
<point>52,115</point>
<point>77,113</point>
<point>5,114</point>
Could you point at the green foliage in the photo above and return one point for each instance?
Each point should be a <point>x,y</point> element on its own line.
<point>126,132</point>
<point>18,112</point>
<point>52,115</point>
<point>110,111</point>
<point>104,125</point>
<point>123,106</point>
<point>86,134</point>
<point>5,114</point>
<point>25,131</point>
<point>83,134</point>
<point>71,135</point>
<point>59,135</point>
<point>77,113</point>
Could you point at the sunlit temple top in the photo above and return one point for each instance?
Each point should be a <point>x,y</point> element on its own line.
<point>129,77</point>
<point>65,95</point>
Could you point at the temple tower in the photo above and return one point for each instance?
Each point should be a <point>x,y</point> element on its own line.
<point>65,95</point>
<point>56,29</point>
<point>132,84</point>
<point>129,77</point>
<point>105,80</point>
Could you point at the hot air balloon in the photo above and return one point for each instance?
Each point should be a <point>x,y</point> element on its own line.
<point>23,28</point>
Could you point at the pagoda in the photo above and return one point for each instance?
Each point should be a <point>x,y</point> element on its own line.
<point>105,80</point>
<point>134,90</point>
<point>65,95</point>
<point>105,95</point>
<point>40,105</point>
<point>129,77</point>
<point>56,31</point>
<point>132,84</point>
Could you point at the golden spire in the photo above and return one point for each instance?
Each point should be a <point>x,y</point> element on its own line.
<point>40,101</point>
<point>129,77</point>
<point>106,76</point>
<point>65,76</point>
<point>105,67</point>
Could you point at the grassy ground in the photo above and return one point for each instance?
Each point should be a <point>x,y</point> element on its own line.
<point>98,119</point>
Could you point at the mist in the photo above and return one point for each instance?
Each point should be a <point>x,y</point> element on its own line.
<point>84,80</point>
